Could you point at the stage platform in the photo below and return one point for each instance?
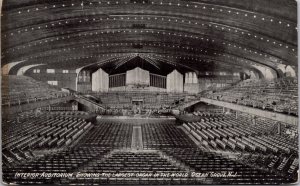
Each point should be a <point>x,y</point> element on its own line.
<point>135,119</point>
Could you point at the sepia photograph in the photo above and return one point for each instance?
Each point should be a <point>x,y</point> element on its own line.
<point>149,92</point>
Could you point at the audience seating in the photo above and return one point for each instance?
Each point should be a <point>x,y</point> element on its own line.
<point>18,90</point>
<point>279,95</point>
<point>43,132</point>
<point>243,137</point>
<point>166,149</point>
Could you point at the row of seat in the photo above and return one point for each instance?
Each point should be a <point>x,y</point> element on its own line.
<point>163,135</point>
<point>115,135</point>
<point>242,136</point>
<point>131,162</point>
<point>17,90</point>
<point>167,148</point>
<point>68,113</point>
<point>95,145</point>
<point>167,138</point>
<point>280,95</point>
<point>44,132</point>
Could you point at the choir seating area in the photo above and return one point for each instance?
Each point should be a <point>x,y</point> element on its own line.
<point>130,106</point>
<point>166,148</point>
<point>130,111</point>
<point>280,95</point>
<point>68,113</point>
<point>149,99</point>
<point>143,103</point>
<point>16,90</point>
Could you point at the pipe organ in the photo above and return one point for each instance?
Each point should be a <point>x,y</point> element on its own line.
<point>158,81</point>
<point>117,80</point>
<point>138,76</point>
<point>84,76</point>
<point>137,80</point>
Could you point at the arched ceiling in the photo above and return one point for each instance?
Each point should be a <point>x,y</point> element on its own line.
<point>70,34</point>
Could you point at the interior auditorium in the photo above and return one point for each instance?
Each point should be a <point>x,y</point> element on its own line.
<point>149,92</point>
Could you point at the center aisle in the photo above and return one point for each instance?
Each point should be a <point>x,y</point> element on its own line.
<point>137,140</point>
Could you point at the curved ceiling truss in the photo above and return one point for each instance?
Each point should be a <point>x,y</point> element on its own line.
<point>72,34</point>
